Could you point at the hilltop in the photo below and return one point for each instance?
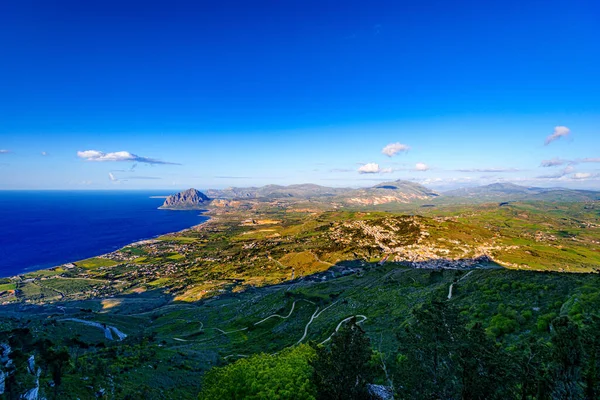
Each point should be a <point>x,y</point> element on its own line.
<point>188,199</point>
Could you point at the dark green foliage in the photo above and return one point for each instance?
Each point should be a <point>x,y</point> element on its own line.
<point>263,376</point>
<point>440,358</point>
<point>567,359</point>
<point>482,366</point>
<point>591,341</point>
<point>56,360</point>
<point>530,360</point>
<point>429,347</point>
<point>341,371</point>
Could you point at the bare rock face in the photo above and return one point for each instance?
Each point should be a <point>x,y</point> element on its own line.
<point>187,200</point>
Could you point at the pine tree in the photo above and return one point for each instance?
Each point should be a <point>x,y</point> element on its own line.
<point>568,359</point>
<point>341,371</point>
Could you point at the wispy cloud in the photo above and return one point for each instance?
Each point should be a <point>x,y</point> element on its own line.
<point>421,167</point>
<point>113,178</point>
<point>488,170</point>
<point>3,151</point>
<point>555,162</point>
<point>340,170</point>
<point>558,162</point>
<point>369,168</point>
<point>44,153</point>
<point>590,160</point>
<point>394,148</point>
<point>569,174</point>
<point>569,169</point>
<point>559,131</point>
<point>95,155</point>
<point>232,177</point>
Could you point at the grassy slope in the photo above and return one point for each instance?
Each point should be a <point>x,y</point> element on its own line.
<point>201,310</point>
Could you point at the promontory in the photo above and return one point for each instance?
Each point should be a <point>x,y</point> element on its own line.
<point>187,200</point>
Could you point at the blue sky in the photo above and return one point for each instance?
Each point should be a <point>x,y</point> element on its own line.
<point>131,95</point>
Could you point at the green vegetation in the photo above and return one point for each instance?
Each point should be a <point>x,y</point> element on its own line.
<point>286,375</point>
<point>7,286</point>
<point>92,263</point>
<point>258,292</point>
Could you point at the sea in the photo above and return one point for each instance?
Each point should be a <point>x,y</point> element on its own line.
<point>43,229</point>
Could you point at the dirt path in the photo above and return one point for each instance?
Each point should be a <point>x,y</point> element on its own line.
<point>452,285</point>
<point>107,329</point>
<point>315,315</point>
<point>337,328</point>
<point>321,261</point>
<point>282,317</point>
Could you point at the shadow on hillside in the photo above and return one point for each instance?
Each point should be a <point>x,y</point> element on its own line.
<point>136,311</point>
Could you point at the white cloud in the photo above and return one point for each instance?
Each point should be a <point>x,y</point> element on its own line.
<point>582,175</point>
<point>559,131</point>
<point>112,177</point>
<point>387,170</point>
<point>421,167</point>
<point>370,168</point>
<point>394,148</point>
<point>95,155</point>
<point>44,153</point>
<point>4,151</point>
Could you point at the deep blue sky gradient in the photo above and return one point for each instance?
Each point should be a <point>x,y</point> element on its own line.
<point>254,92</point>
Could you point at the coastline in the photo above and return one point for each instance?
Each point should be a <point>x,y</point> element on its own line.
<point>153,239</point>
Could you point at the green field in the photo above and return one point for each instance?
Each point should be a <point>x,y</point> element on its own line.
<point>93,263</point>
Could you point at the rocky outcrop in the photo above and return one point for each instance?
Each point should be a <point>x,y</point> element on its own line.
<point>190,199</point>
<point>5,363</point>
<point>380,392</point>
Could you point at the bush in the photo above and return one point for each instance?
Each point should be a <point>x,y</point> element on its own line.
<point>286,375</point>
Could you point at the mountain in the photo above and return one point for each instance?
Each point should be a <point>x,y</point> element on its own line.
<point>512,192</point>
<point>189,199</point>
<point>302,191</point>
<point>388,192</point>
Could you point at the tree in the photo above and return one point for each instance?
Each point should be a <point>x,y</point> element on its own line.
<point>286,375</point>
<point>341,371</point>
<point>428,352</point>
<point>482,366</point>
<point>439,358</point>
<point>533,380</point>
<point>567,359</point>
<point>591,341</point>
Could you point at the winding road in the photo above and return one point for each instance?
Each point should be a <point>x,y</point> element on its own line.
<point>364,318</point>
<point>315,315</point>
<point>452,284</point>
<point>107,329</point>
<point>282,317</point>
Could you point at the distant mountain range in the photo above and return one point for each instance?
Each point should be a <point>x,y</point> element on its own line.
<point>512,192</point>
<point>388,192</point>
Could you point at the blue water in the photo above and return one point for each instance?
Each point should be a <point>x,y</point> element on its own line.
<point>42,229</point>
